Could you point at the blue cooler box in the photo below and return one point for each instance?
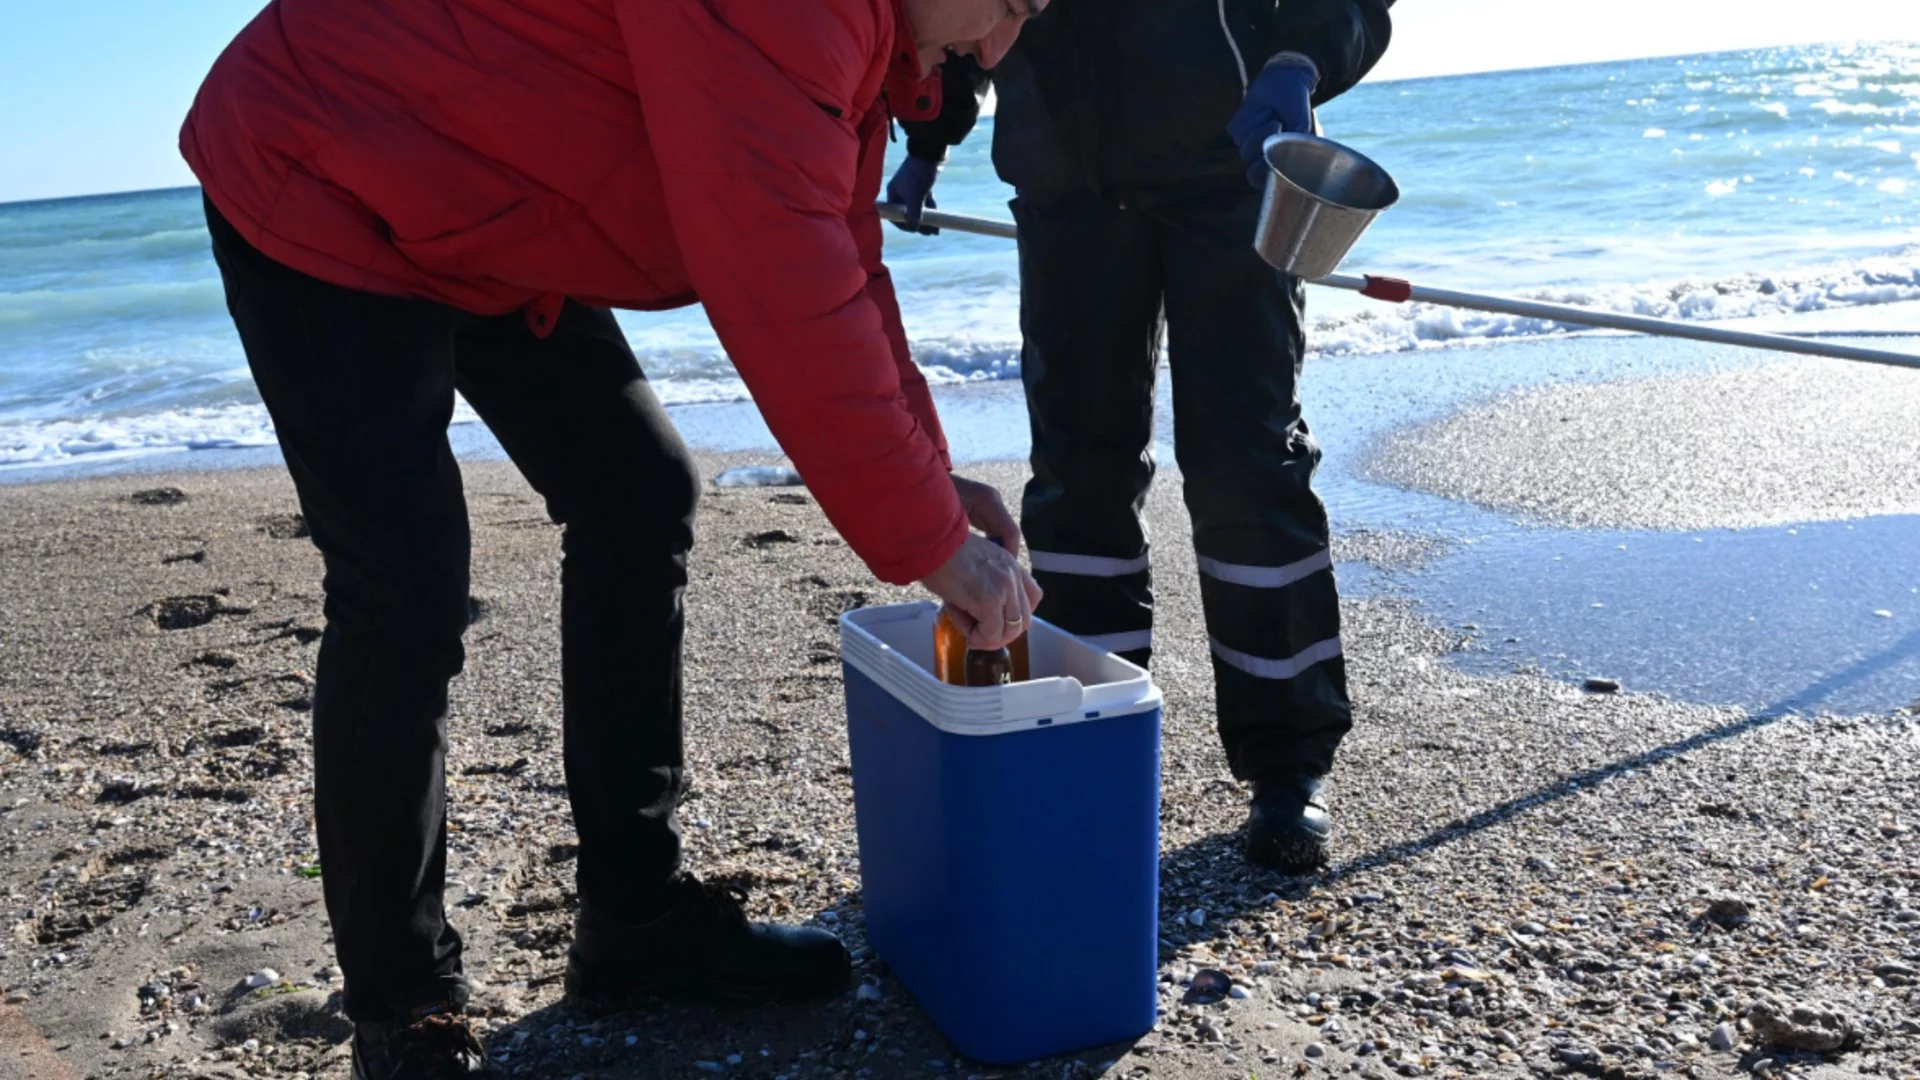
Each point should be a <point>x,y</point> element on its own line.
<point>1009,836</point>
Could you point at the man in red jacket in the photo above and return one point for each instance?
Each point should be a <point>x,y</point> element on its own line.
<point>409,198</point>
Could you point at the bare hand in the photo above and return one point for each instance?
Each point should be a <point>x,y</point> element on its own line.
<point>989,595</point>
<point>986,512</point>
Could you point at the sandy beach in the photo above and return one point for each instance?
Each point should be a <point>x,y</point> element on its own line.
<point>1529,878</point>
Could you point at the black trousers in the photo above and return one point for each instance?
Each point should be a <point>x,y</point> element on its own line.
<point>1099,284</point>
<point>361,389</point>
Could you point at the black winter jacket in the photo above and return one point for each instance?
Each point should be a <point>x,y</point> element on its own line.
<point>1130,97</point>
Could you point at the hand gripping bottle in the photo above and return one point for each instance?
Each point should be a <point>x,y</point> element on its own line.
<point>954,663</point>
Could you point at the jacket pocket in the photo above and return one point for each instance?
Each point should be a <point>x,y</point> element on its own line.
<point>463,251</point>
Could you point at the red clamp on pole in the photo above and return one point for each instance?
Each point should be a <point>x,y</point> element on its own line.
<point>1391,289</point>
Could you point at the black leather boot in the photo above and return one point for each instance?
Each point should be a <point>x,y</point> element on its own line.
<point>437,1044</point>
<point>1287,824</point>
<point>702,949</point>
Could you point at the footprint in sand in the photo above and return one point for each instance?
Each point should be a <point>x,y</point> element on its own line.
<point>219,661</point>
<point>229,738</point>
<point>831,605</point>
<point>285,526</point>
<point>822,598</point>
<point>764,540</point>
<point>106,886</point>
<point>160,496</point>
<point>187,612</point>
<point>23,741</point>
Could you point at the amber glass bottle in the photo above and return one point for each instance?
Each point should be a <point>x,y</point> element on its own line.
<point>986,668</point>
<point>1022,668</point>
<point>954,663</point>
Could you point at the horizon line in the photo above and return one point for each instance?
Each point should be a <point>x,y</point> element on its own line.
<point>9,204</point>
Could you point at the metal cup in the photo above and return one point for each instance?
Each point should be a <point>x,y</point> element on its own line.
<point>1320,197</point>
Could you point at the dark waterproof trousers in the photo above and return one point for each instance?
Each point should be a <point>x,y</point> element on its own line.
<point>361,389</point>
<point>1099,282</point>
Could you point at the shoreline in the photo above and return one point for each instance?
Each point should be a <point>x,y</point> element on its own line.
<point>985,418</point>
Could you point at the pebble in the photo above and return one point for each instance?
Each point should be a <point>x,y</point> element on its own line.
<point>1198,916</point>
<point>1894,967</point>
<point>867,992</point>
<point>1729,909</point>
<point>262,978</point>
<point>710,1066</point>
<point>1602,686</point>
<point>935,1065</point>
<point>1722,1037</point>
<point>1810,1026</point>
<point>1315,1050</point>
<point>1531,929</point>
<point>734,1059</point>
<point>1239,993</point>
<point>1576,1055</point>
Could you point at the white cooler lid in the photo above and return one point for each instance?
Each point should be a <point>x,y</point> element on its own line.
<point>893,646</point>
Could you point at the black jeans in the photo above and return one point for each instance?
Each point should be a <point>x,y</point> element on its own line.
<point>1098,284</point>
<point>361,389</point>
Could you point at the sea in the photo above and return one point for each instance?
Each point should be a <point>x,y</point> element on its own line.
<point>1779,183</point>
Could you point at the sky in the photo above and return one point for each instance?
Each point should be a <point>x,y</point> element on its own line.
<point>92,93</point>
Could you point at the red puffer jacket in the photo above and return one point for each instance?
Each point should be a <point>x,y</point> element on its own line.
<point>502,155</point>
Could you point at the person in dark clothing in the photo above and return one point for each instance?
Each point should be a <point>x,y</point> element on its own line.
<point>1132,131</point>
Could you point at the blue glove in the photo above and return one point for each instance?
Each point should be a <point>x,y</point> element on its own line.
<point>1279,99</point>
<point>912,187</point>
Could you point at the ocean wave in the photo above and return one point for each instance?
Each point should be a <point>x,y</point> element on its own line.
<point>947,361</point>
<point>54,442</point>
<point>1405,327</point>
<point>57,248</point>
<point>109,304</point>
<point>28,443</point>
<point>700,375</point>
